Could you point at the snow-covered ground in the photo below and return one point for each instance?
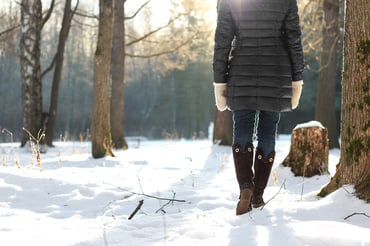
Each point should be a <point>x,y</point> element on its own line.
<point>189,194</point>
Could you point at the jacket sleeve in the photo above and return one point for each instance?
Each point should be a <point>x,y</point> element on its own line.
<point>225,32</point>
<point>293,39</point>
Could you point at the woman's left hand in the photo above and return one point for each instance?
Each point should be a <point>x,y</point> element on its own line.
<point>296,93</point>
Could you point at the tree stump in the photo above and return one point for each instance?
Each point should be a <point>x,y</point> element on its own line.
<point>309,150</point>
<point>223,128</point>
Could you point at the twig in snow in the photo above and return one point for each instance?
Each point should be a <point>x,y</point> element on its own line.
<point>282,185</point>
<point>4,130</point>
<point>364,214</point>
<point>35,146</point>
<point>141,187</point>
<point>124,197</point>
<point>141,202</point>
<point>143,194</point>
<point>302,184</point>
<point>168,202</point>
<point>344,188</point>
<point>105,236</point>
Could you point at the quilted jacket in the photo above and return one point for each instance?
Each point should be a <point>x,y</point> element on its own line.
<point>258,53</point>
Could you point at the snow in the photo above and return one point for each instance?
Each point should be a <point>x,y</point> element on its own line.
<point>312,123</point>
<point>73,199</point>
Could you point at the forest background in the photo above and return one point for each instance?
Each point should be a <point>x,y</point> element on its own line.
<point>167,94</point>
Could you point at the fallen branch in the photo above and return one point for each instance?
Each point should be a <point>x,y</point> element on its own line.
<point>364,214</point>
<point>141,202</point>
<point>150,196</point>
<point>169,200</point>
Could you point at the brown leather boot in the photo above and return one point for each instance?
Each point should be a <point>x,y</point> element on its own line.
<point>243,161</point>
<point>244,204</point>
<point>262,170</point>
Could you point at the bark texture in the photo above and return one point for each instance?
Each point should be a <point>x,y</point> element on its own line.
<point>354,166</point>
<point>118,74</point>
<point>309,151</point>
<point>101,136</point>
<point>59,58</point>
<point>31,24</point>
<point>326,92</point>
<point>223,130</point>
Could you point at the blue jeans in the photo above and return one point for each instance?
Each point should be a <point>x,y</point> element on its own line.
<point>260,124</point>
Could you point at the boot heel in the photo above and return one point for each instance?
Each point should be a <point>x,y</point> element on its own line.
<point>244,204</point>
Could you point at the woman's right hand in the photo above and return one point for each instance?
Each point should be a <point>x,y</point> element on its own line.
<point>220,90</point>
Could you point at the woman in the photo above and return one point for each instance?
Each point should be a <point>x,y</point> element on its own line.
<point>258,73</point>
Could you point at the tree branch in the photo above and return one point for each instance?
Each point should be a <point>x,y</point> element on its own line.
<point>80,24</point>
<point>50,67</point>
<point>86,15</point>
<point>137,11</point>
<point>48,14</point>
<point>155,30</point>
<point>165,52</point>
<point>10,29</point>
<point>74,11</point>
<point>52,64</point>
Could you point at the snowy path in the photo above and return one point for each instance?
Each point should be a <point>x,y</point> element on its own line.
<point>81,201</point>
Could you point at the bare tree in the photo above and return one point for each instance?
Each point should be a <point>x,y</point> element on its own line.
<point>164,43</point>
<point>354,167</point>
<point>168,45</point>
<point>101,131</point>
<point>326,92</point>
<point>31,24</point>
<point>58,63</point>
<point>118,74</point>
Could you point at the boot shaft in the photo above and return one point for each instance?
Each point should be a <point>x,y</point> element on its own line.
<point>243,161</point>
<point>269,160</point>
<point>262,170</point>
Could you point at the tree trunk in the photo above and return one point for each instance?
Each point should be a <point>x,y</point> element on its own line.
<point>223,130</point>
<point>63,35</point>
<point>101,136</point>
<point>31,23</point>
<point>309,150</point>
<point>326,92</point>
<point>354,165</point>
<point>118,74</point>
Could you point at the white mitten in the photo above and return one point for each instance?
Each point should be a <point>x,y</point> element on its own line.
<point>296,93</point>
<point>220,95</point>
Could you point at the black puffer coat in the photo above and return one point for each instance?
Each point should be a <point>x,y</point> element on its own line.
<point>258,52</point>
